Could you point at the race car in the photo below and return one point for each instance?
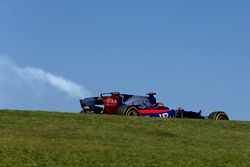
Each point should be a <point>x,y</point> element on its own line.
<point>133,105</point>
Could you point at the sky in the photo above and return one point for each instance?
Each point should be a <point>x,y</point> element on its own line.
<point>193,54</point>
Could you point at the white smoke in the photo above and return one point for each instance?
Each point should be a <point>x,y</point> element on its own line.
<point>59,83</point>
<point>35,87</point>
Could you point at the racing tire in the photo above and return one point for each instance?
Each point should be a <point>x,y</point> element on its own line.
<point>132,111</point>
<point>127,110</point>
<point>218,115</point>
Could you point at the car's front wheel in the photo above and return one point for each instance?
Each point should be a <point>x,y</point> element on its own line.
<point>218,115</point>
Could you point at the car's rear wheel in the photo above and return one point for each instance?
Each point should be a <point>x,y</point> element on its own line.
<point>127,110</point>
<point>218,115</point>
<point>132,111</point>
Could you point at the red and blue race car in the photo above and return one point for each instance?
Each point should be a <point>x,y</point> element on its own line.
<point>133,105</point>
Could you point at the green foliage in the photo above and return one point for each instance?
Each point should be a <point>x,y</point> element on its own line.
<point>42,139</point>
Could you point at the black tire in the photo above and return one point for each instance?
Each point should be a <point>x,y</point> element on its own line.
<point>127,110</point>
<point>132,111</point>
<point>218,115</point>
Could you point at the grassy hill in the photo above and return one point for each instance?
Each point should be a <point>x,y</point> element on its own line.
<point>41,139</point>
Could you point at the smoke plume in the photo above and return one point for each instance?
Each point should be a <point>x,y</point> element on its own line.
<point>34,88</point>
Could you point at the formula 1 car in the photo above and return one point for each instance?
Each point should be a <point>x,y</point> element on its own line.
<point>133,105</point>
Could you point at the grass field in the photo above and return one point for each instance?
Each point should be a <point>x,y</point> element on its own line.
<point>41,139</point>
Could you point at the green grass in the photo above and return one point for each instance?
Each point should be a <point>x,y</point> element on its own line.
<point>41,139</point>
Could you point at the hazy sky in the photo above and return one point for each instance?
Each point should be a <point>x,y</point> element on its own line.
<point>194,54</point>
